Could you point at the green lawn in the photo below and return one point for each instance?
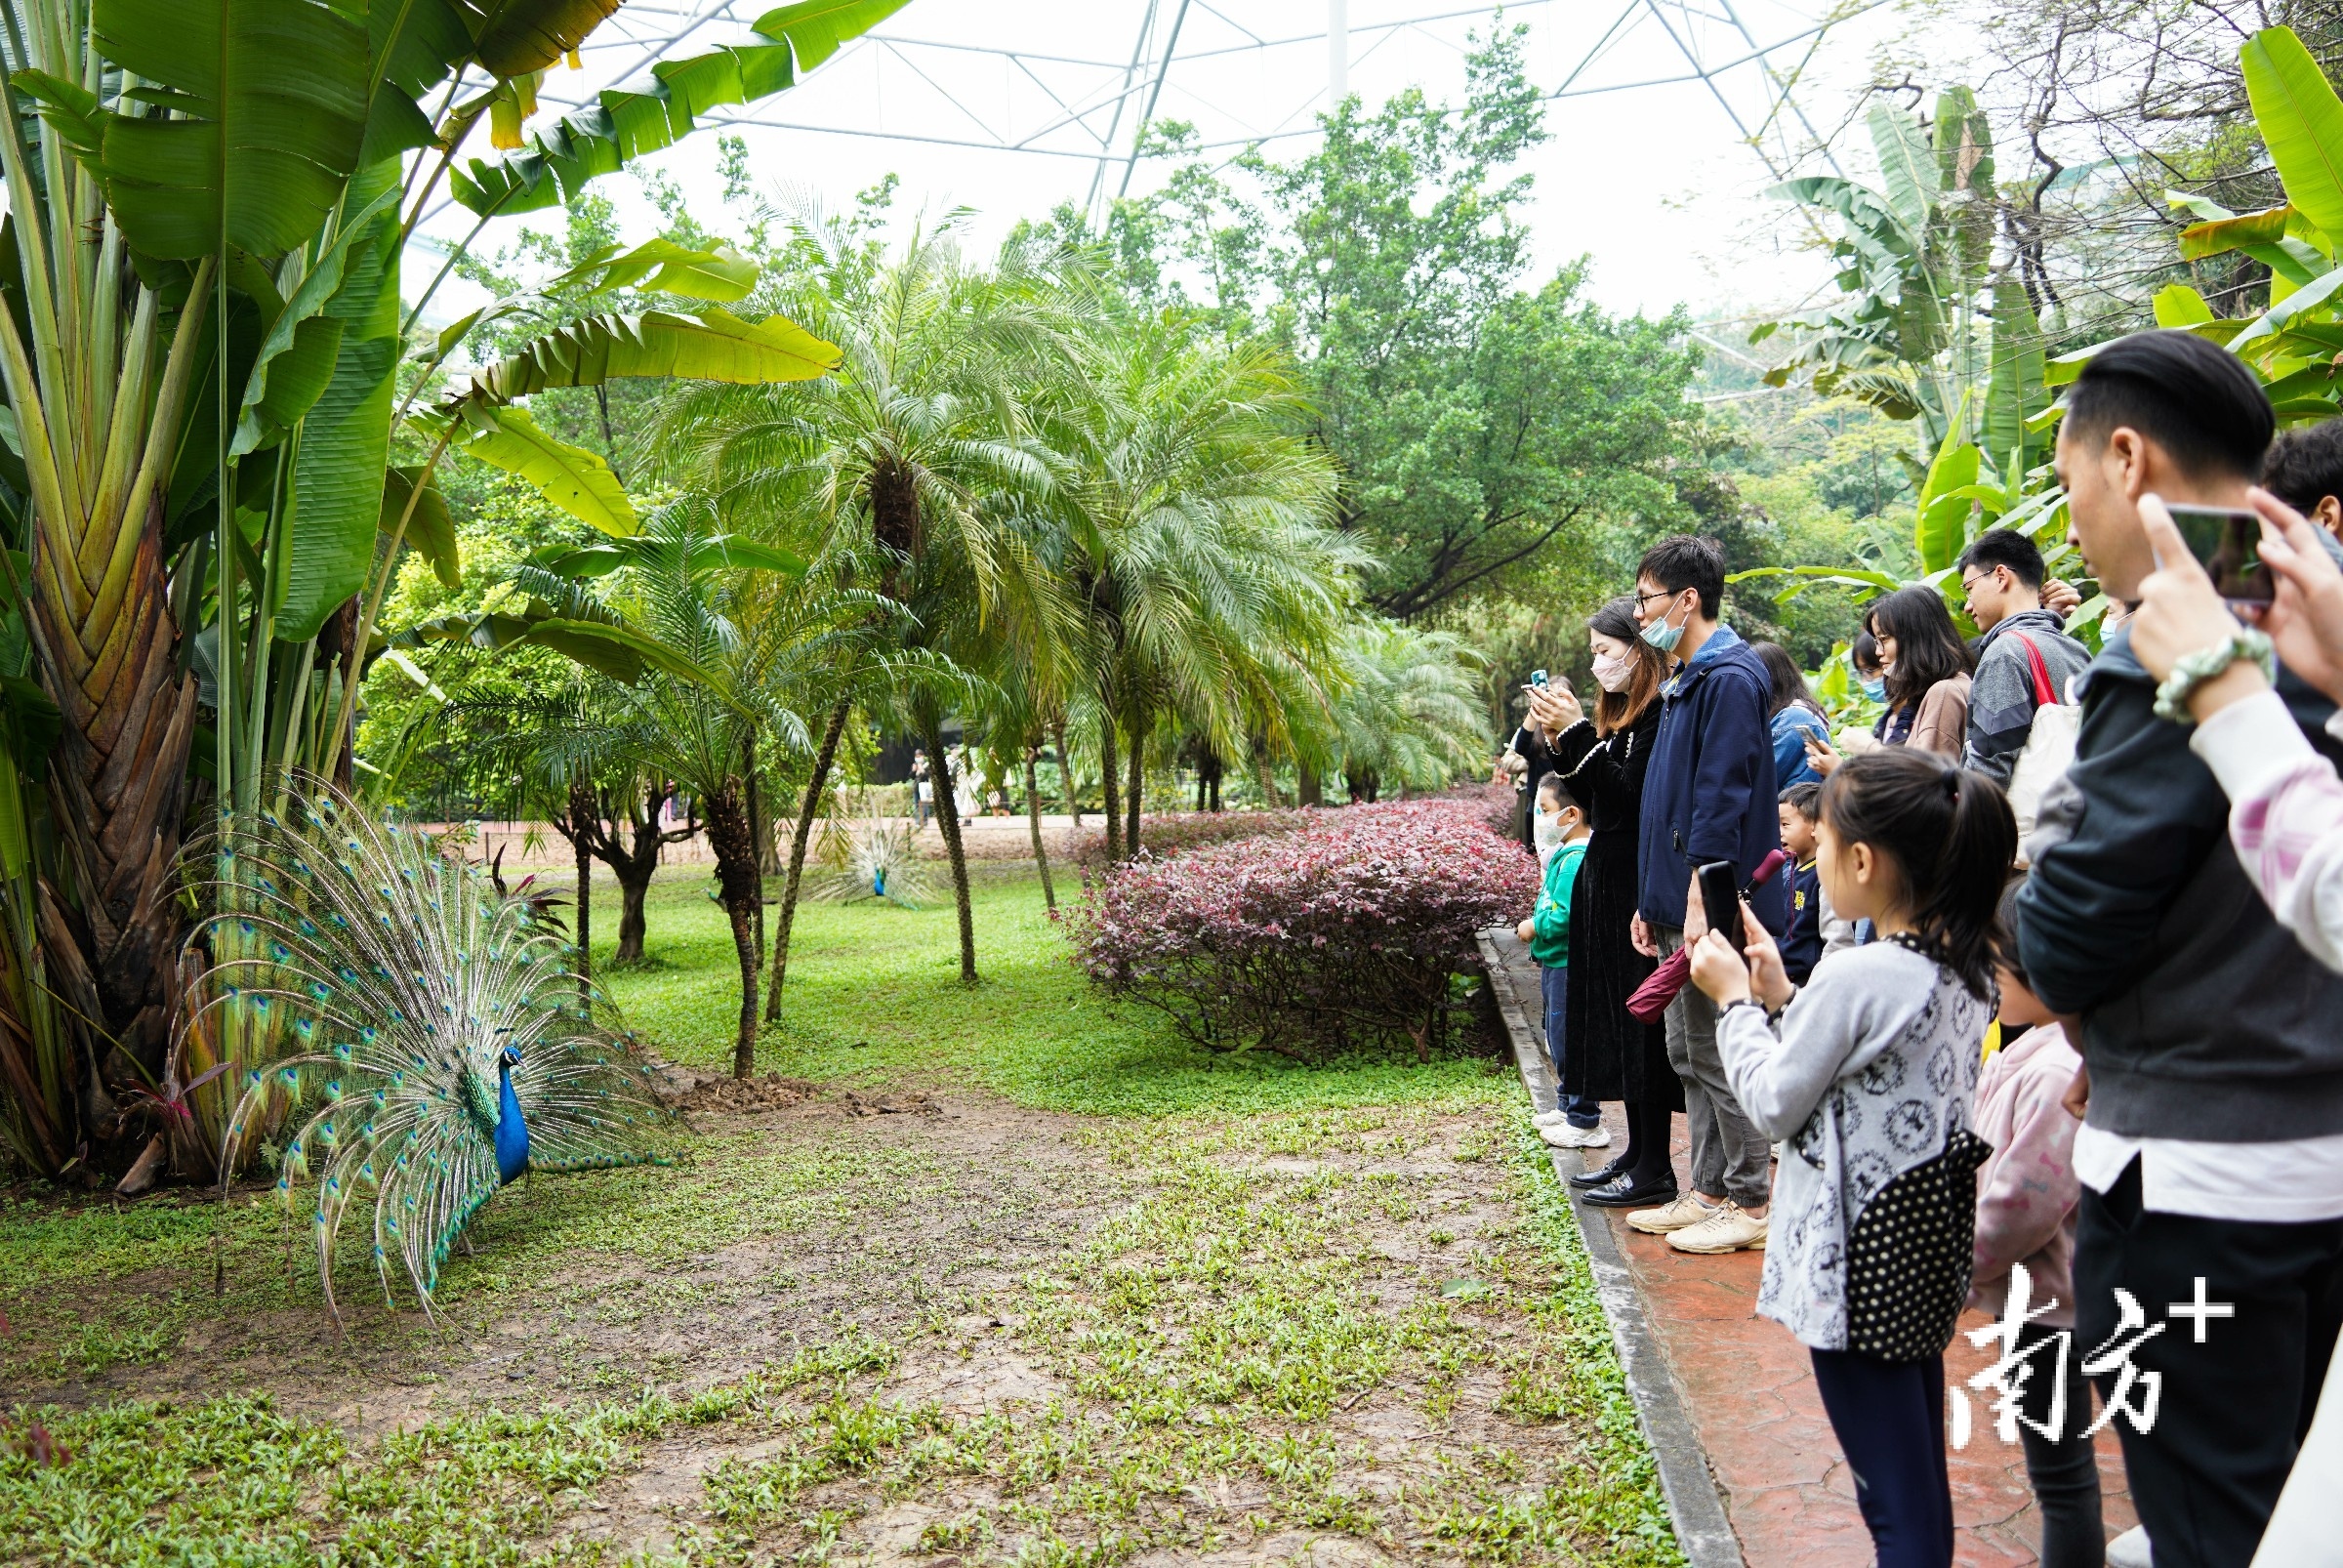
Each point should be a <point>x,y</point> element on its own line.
<point>1116,1299</point>
<point>874,991</point>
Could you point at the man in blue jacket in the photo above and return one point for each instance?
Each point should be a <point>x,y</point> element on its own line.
<point>1710,795</point>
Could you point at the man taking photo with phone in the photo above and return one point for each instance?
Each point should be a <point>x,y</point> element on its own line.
<point>2211,1150</point>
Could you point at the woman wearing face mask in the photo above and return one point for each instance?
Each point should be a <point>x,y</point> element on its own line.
<point>1602,760</point>
<point>1924,676</point>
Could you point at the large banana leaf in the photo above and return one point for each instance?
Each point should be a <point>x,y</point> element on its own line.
<point>608,648</point>
<point>2179,306</point>
<point>713,345</point>
<point>1906,165</point>
<point>569,476</point>
<point>1964,162</point>
<point>624,125</point>
<point>702,553</point>
<point>268,110</point>
<point>2014,388</point>
<point>528,35</point>
<point>336,493</point>
<point>431,528</point>
<point>2300,120</point>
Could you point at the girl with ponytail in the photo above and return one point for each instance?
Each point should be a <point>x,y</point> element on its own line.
<point>1867,1074</point>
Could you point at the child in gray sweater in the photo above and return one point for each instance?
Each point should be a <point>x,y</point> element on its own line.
<point>1867,1075</point>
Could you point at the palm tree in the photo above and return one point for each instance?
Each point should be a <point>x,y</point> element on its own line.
<point>1409,712</point>
<point>919,448</point>
<point>740,653</point>
<point>1197,543</point>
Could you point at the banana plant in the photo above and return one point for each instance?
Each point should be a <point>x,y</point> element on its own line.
<point>2292,346</point>
<point>1913,256</point>
<point>209,201</point>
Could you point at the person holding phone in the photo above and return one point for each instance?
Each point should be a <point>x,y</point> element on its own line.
<point>2212,1145</point>
<point>1867,1075</point>
<point>2285,823</point>
<point>1602,750</point>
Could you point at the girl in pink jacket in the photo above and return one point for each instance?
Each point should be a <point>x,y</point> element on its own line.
<point>2026,1198</point>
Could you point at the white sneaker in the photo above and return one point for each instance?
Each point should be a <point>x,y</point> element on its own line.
<point>1549,1118</point>
<point>1562,1136</point>
<point>2129,1550</point>
<point>1728,1228</point>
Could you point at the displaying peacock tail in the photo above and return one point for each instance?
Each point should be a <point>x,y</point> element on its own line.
<point>423,1035</point>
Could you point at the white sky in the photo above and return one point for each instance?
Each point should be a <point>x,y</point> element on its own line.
<point>1651,181</point>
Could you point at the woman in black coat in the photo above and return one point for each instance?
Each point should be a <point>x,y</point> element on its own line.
<point>1602,760</point>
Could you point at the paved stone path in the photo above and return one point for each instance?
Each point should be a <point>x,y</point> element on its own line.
<point>1746,1391</point>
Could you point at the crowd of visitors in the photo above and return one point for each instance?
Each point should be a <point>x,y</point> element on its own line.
<point>2139,1172</point>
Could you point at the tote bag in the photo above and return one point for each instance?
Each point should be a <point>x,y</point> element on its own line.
<point>2049,746</point>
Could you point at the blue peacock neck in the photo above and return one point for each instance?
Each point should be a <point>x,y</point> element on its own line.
<point>511,1132</point>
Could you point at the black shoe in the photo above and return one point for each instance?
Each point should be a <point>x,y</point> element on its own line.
<point>1601,1176</point>
<point>1623,1193</point>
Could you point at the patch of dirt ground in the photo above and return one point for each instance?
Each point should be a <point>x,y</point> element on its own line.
<point>976,1333</point>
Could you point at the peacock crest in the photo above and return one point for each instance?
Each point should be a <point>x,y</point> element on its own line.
<point>422,1037</point>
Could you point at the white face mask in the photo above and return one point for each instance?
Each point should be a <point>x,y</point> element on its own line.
<point>1612,674</point>
<point>1550,830</point>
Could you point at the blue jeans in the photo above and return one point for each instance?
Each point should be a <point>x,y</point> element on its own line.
<point>1555,982</point>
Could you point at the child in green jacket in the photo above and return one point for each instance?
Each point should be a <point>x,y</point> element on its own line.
<point>1575,1122</point>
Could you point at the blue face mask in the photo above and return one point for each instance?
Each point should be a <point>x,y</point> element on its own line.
<point>1874,687</point>
<point>1661,635</point>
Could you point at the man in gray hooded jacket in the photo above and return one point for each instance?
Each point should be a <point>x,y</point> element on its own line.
<point>2025,658</point>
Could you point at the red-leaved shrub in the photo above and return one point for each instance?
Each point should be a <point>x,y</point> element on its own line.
<point>1347,934</point>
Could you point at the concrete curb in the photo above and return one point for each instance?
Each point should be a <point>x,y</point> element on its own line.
<point>1695,1506</point>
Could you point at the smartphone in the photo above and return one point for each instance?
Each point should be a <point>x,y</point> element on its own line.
<point>2226,542</point>
<point>1720,898</point>
<point>1536,678</point>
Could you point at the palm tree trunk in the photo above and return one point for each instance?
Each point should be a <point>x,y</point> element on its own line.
<point>1131,803</point>
<point>1109,787</point>
<point>948,818</point>
<point>1065,776</point>
<point>1033,818</point>
<point>822,759</point>
<point>583,808</point>
<point>736,877</point>
<point>1308,788</point>
<point>757,843</point>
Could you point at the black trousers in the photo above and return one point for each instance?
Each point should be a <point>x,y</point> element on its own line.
<point>2233,1409</point>
<point>2063,1470</point>
<point>1889,1419</point>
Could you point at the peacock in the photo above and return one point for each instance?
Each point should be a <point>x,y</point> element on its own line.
<point>424,1042</point>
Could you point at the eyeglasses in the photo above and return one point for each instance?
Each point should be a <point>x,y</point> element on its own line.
<point>1641,599</point>
<point>1969,584</point>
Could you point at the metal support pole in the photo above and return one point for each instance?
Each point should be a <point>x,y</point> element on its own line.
<point>1338,53</point>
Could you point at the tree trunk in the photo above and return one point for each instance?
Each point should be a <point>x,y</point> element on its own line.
<point>807,813</point>
<point>582,810</point>
<point>736,877</point>
<point>1131,803</point>
<point>1109,787</point>
<point>1308,788</point>
<point>117,791</point>
<point>633,888</point>
<point>1033,817</point>
<point>1216,784</point>
<point>756,806</point>
<point>947,816</point>
<point>1065,776</point>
